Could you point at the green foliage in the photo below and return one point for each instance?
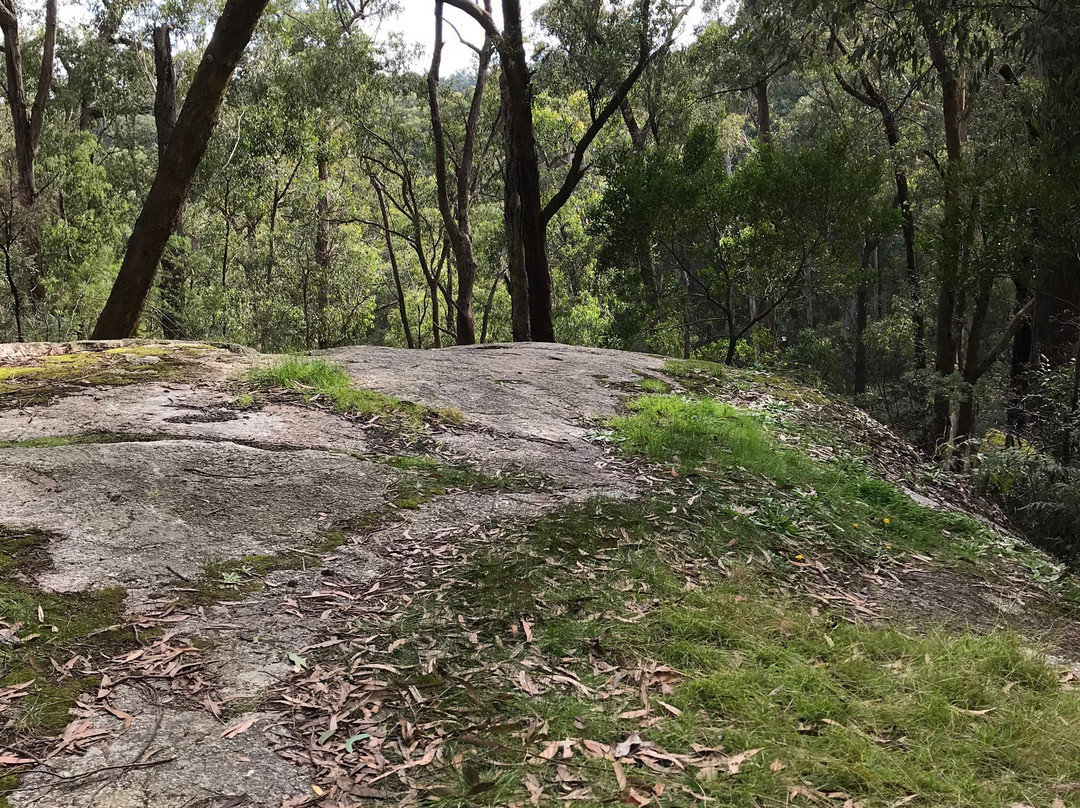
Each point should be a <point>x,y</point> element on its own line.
<point>684,235</point>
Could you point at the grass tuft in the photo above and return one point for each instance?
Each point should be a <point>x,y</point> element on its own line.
<point>318,380</point>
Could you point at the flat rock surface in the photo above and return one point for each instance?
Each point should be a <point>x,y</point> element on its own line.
<point>530,390</point>
<point>185,478</point>
<point>136,514</point>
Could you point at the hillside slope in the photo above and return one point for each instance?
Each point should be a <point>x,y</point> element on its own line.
<point>503,574</point>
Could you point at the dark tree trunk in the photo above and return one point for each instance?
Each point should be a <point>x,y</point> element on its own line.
<point>487,309</point>
<point>123,310</point>
<point>532,217</point>
<point>172,269</point>
<point>965,411</point>
<point>944,360</point>
<point>949,264</point>
<point>16,300</point>
<point>764,120</point>
<point>523,149</point>
<point>515,256</point>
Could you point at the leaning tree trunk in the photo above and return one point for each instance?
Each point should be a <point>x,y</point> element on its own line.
<point>403,310</point>
<point>123,310</point>
<point>172,269</point>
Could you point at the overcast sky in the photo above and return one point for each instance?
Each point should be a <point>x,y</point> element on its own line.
<point>416,24</point>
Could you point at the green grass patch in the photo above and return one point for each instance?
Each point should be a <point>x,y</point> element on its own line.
<point>316,380</point>
<point>423,477</point>
<point>883,714</point>
<point>655,386</point>
<point>702,579</point>
<point>835,505</point>
<point>55,441</point>
<point>690,368</point>
<point>50,626</point>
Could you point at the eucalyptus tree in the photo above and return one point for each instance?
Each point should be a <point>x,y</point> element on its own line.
<point>466,175</point>
<point>187,145</point>
<point>593,21</point>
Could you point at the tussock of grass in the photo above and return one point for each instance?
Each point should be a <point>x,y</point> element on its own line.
<point>835,502</point>
<point>655,386</point>
<point>319,380</point>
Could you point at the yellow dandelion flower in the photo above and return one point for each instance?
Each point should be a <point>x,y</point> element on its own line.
<point>856,524</point>
<point>885,520</point>
<point>798,558</point>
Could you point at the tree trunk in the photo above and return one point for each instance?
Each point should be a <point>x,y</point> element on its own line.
<point>764,121</point>
<point>16,300</point>
<point>523,149</point>
<point>965,411</point>
<point>944,361</point>
<point>403,311</point>
<point>949,265</point>
<point>487,309</point>
<point>123,310</point>
<point>27,125</point>
<point>172,282</point>
<point>322,242</point>
<point>456,221</point>
<point>515,256</point>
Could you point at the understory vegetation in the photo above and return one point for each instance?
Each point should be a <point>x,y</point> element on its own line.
<point>714,640</point>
